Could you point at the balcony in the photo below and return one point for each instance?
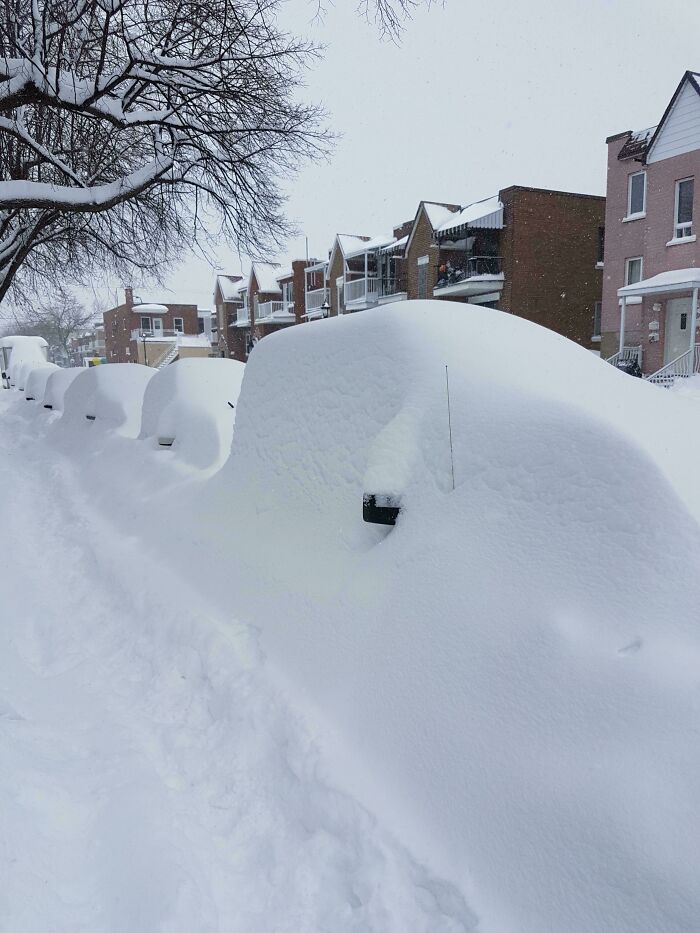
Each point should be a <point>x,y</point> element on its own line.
<point>315,300</point>
<point>275,311</point>
<point>392,288</point>
<point>162,335</point>
<point>470,275</point>
<point>360,293</point>
<point>242,317</point>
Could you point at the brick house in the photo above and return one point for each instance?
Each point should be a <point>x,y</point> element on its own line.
<point>154,334</point>
<point>228,301</point>
<point>652,257</point>
<point>89,346</point>
<point>507,252</point>
<point>272,299</point>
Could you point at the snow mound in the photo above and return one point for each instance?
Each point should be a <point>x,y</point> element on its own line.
<point>36,381</point>
<point>110,395</point>
<point>509,676</point>
<point>190,406</point>
<point>57,385</point>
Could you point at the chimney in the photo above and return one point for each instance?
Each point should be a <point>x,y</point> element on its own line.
<point>129,296</point>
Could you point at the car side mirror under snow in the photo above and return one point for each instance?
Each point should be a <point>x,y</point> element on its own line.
<point>378,509</point>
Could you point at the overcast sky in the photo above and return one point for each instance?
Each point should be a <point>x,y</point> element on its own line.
<point>477,96</point>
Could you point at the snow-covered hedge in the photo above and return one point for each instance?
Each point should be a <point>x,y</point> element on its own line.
<point>110,395</point>
<point>190,406</point>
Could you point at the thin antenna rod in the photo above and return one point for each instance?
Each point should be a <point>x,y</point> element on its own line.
<point>449,422</point>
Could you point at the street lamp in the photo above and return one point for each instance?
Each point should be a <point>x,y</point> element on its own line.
<point>145,356</point>
<point>325,308</point>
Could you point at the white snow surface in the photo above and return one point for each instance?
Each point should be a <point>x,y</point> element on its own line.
<point>190,402</point>
<point>110,395</point>
<point>507,680</point>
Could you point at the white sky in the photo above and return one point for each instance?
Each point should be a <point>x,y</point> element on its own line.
<point>477,97</point>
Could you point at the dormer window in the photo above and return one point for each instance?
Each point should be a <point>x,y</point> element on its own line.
<point>683,212</point>
<point>636,195</point>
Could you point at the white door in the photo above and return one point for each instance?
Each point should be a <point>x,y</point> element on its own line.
<point>677,341</point>
<point>157,327</point>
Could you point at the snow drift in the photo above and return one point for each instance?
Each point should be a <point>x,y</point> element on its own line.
<point>110,395</point>
<point>509,676</point>
<point>190,406</point>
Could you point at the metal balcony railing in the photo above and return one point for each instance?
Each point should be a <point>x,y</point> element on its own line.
<point>459,270</point>
<point>364,290</point>
<point>687,364</point>
<point>316,298</point>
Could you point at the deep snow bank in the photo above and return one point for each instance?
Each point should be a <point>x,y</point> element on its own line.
<point>509,676</point>
<point>191,404</point>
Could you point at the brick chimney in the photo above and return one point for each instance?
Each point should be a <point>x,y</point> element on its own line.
<point>129,296</point>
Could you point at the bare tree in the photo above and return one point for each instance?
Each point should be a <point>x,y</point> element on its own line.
<point>58,318</point>
<point>124,122</point>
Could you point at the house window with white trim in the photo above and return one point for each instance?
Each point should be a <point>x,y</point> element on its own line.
<point>597,308</point>
<point>637,194</point>
<point>179,325</point>
<point>145,323</point>
<point>683,211</point>
<point>633,270</point>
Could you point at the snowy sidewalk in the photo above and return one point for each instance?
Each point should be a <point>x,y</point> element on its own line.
<point>150,777</point>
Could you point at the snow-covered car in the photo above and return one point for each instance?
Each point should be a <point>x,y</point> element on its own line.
<point>35,383</point>
<point>16,351</point>
<point>189,406</point>
<point>110,395</point>
<point>57,385</point>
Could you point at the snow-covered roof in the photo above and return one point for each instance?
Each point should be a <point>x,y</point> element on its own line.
<point>266,276</point>
<point>486,214</point>
<point>150,309</point>
<point>676,280</point>
<point>230,286</point>
<point>349,243</point>
<point>285,274</point>
<point>637,143</point>
<point>397,245</point>
<point>438,214</point>
<point>369,246</point>
<point>19,340</point>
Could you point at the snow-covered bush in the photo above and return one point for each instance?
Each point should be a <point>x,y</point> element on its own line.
<point>35,383</point>
<point>190,405</point>
<point>110,395</point>
<point>57,385</point>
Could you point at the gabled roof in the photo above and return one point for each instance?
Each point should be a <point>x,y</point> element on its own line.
<point>640,143</point>
<point>368,246</point>
<point>265,274</point>
<point>230,286</point>
<point>436,214</point>
<point>346,242</point>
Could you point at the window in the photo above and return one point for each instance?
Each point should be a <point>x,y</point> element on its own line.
<point>633,270</point>
<point>601,244</point>
<point>684,321</point>
<point>145,323</point>
<point>636,194</point>
<point>423,276</point>
<point>596,319</point>
<point>179,325</point>
<point>683,225</point>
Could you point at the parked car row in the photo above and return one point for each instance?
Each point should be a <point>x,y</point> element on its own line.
<point>188,407</point>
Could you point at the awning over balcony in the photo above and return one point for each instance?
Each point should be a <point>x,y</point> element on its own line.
<point>484,215</point>
<point>398,246</point>
<point>675,281</point>
<point>370,246</point>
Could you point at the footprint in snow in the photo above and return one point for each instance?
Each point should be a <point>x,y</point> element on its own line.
<point>633,647</point>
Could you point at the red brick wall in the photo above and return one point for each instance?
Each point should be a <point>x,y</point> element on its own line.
<point>120,321</point>
<point>549,248</point>
<point>422,244</point>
